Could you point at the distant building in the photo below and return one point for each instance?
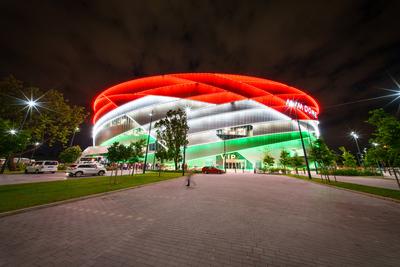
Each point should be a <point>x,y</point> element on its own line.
<point>243,115</point>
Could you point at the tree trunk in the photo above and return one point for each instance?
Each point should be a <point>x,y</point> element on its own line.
<point>3,167</point>
<point>395,176</point>
<point>176,164</point>
<point>327,175</point>
<point>11,163</point>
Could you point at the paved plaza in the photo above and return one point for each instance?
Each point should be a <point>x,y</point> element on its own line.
<point>225,220</point>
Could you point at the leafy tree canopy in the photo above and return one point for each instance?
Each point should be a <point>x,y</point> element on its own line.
<point>51,120</point>
<point>348,159</point>
<point>284,158</point>
<point>172,133</point>
<point>321,153</point>
<point>12,142</point>
<point>70,154</point>
<point>386,137</point>
<point>268,159</point>
<point>296,161</point>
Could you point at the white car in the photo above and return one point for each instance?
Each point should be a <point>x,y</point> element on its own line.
<point>42,166</point>
<point>85,169</point>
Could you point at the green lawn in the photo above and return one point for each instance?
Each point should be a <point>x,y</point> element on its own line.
<point>390,193</point>
<point>13,197</point>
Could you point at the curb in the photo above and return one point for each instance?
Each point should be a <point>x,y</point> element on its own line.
<point>13,212</point>
<point>353,191</point>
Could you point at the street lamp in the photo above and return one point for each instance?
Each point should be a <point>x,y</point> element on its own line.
<point>147,145</point>
<point>187,111</point>
<point>73,135</point>
<point>30,104</point>
<point>355,137</point>
<point>34,149</point>
<point>304,147</point>
<point>296,109</point>
<point>12,131</point>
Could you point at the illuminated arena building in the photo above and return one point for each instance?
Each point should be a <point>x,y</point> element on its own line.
<point>241,115</point>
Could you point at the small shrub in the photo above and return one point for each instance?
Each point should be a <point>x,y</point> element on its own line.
<point>62,167</point>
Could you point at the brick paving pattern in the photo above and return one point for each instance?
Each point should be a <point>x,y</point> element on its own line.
<point>226,220</point>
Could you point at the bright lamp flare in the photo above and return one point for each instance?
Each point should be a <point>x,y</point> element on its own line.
<point>355,135</point>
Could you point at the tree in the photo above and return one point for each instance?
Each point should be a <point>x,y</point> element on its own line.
<point>387,138</point>
<point>70,154</point>
<point>172,133</point>
<point>137,151</point>
<point>51,119</point>
<point>161,155</point>
<point>284,159</point>
<point>296,162</point>
<point>348,159</point>
<point>11,141</point>
<point>114,156</point>
<point>268,160</point>
<point>323,155</point>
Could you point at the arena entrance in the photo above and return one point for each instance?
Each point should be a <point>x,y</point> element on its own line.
<point>234,161</point>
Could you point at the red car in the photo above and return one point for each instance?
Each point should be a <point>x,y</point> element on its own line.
<point>211,170</point>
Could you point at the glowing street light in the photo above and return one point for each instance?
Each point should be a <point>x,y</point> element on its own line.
<point>375,144</point>
<point>31,103</point>
<point>355,137</point>
<point>37,144</point>
<point>12,131</point>
<point>76,130</point>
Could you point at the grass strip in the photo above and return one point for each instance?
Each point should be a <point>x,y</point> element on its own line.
<point>18,196</point>
<point>379,191</point>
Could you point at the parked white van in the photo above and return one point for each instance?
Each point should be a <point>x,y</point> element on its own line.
<point>42,166</point>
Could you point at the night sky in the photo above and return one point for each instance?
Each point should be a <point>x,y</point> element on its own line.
<point>338,52</point>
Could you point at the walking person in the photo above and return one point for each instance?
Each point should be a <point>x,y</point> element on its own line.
<point>189,180</point>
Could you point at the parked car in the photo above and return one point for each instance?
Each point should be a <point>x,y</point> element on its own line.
<point>85,169</point>
<point>42,166</point>
<point>211,169</point>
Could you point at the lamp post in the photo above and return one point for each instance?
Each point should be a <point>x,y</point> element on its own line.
<point>356,136</point>
<point>183,162</point>
<point>187,111</point>
<point>304,148</point>
<point>34,149</point>
<point>147,145</point>
<point>225,155</point>
<point>73,135</point>
<point>310,141</point>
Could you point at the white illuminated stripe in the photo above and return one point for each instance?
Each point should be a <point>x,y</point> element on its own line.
<point>147,103</point>
<point>152,102</point>
<point>131,106</point>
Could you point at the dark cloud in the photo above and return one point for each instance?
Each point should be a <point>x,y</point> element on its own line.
<point>338,51</point>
